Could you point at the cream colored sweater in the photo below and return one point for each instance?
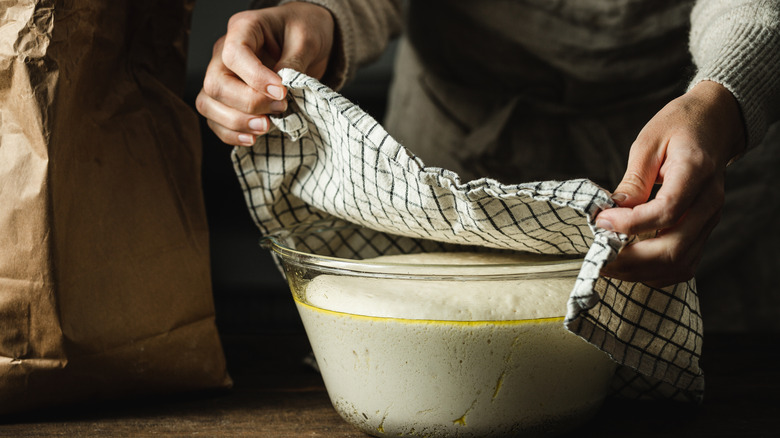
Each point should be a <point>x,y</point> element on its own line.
<point>733,42</point>
<point>737,44</point>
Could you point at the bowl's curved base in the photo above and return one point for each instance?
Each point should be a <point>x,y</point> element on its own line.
<point>440,378</point>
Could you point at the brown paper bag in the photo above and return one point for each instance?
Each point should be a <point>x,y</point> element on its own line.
<point>104,272</point>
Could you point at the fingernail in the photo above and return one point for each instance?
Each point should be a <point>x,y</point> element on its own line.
<point>604,224</point>
<point>258,124</point>
<point>619,197</point>
<point>275,91</point>
<point>278,106</point>
<point>246,139</point>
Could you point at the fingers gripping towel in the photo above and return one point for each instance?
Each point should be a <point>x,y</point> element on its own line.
<point>329,160</point>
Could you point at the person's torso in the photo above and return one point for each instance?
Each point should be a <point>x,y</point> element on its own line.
<point>562,51</point>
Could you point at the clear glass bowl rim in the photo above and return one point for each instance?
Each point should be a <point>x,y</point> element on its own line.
<point>565,267</point>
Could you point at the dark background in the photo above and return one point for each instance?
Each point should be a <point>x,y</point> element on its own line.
<point>250,294</point>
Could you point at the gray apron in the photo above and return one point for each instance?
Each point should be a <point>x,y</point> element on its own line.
<point>519,137</point>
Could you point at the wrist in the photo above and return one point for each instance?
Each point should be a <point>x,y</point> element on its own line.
<point>726,113</point>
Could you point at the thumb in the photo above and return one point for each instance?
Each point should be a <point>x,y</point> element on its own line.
<point>296,53</point>
<point>306,48</point>
<point>644,164</point>
<point>295,61</point>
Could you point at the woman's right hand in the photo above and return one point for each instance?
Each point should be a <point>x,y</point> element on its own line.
<point>241,86</point>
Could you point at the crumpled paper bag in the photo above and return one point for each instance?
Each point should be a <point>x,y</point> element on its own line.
<point>105,287</point>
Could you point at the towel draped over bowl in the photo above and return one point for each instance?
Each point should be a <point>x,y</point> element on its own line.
<point>327,160</point>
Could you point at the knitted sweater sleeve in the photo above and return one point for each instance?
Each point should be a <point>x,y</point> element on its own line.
<point>737,44</point>
<point>363,30</point>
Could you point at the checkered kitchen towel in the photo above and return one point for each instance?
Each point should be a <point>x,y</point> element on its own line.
<point>329,160</point>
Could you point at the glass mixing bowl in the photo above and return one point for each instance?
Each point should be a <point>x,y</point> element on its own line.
<point>446,344</point>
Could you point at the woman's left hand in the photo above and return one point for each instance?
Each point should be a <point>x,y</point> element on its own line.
<point>685,148</point>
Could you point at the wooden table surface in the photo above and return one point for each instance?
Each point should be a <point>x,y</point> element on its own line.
<point>276,395</point>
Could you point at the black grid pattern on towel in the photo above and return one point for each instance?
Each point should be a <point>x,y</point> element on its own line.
<point>330,161</point>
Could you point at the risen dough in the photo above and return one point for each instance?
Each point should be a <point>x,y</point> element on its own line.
<point>475,300</point>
